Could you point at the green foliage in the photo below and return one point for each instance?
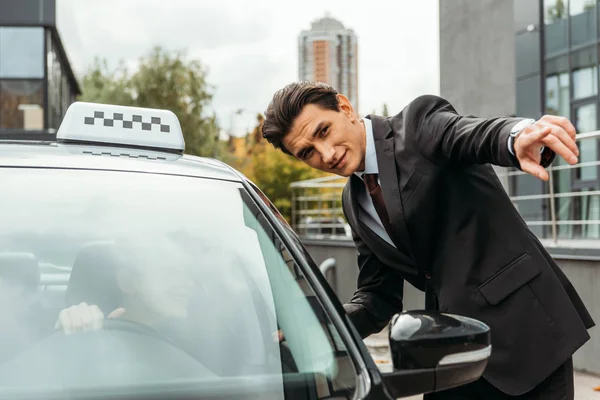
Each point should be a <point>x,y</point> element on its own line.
<point>557,11</point>
<point>272,170</point>
<point>162,80</point>
<point>100,85</point>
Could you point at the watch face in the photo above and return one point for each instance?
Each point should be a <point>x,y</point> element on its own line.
<point>521,125</point>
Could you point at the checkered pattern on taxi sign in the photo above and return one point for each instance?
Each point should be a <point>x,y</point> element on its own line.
<point>100,117</point>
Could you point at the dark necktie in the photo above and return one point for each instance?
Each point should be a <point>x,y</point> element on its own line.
<point>376,193</point>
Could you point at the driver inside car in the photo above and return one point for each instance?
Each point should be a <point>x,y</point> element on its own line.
<point>148,283</point>
<point>156,285</point>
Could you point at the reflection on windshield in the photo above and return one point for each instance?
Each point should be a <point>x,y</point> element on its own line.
<point>148,279</point>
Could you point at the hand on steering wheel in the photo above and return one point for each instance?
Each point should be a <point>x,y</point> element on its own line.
<point>83,318</point>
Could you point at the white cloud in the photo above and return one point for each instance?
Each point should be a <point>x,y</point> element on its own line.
<point>250,48</point>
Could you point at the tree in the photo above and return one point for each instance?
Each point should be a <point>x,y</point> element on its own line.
<point>100,85</point>
<point>557,11</point>
<point>384,113</point>
<point>164,80</point>
<point>270,169</point>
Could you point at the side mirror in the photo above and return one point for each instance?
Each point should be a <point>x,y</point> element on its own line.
<point>433,351</point>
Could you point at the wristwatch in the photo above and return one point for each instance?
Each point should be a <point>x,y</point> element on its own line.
<point>547,153</point>
<point>515,131</point>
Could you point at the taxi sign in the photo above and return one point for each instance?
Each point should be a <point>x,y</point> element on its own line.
<point>120,125</point>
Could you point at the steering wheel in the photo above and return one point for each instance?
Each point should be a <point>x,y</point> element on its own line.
<point>122,352</point>
<point>124,325</point>
<point>117,324</point>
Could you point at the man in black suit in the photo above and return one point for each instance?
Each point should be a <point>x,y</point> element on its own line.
<point>425,206</point>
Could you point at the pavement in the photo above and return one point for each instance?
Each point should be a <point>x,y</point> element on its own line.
<point>380,351</point>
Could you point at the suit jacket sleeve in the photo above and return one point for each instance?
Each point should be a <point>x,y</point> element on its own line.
<point>379,293</point>
<point>444,136</point>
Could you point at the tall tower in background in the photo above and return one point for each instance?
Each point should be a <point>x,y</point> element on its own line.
<point>328,53</point>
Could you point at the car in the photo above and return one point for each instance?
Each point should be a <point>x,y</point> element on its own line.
<point>189,282</point>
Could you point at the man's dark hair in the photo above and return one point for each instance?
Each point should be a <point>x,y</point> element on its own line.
<point>289,102</point>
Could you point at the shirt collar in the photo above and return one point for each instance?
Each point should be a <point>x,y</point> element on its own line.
<point>371,166</point>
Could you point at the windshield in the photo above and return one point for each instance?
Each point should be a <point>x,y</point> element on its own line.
<point>118,282</point>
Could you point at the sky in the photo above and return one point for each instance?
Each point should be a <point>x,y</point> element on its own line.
<point>250,48</point>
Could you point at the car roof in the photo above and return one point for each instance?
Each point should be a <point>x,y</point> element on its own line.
<point>28,154</point>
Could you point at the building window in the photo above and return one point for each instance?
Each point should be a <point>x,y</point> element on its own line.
<point>55,87</point>
<point>585,73</point>
<point>562,184</point>
<point>21,104</point>
<point>579,207</point>
<point>21,52</point>
<point>585,121</point>
<point>556,27</point>
<point>583,21</point>
<point>557,87</point>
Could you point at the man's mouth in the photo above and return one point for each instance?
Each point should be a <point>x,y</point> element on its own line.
<point>341,162</point>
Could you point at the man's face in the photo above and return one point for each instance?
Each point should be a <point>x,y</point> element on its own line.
<point>331,141</point>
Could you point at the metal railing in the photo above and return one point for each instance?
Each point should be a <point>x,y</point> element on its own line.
<point>558,207</point>
<point>317,209</point>
<point>317,212</point>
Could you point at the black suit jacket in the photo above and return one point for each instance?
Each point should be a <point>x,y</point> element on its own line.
<point>458,235</point>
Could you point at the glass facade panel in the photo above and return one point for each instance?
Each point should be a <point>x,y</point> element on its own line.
<point>60,94</point>
<point>576,213</point>
<point>571,47</point>
<point>557,87</point>
<point>590,211</point>
<point>22,104</point>
<point>556,27</point>
<point>583,21</point>
<point>585,121</point>
<point>528,96</point>
<point>54,86</point>
<point>573,211</point>
<point>527,44</point>
<point>21,52</point>
<point>34,73</point>
<point>585,73</point>
<point>562,184</point>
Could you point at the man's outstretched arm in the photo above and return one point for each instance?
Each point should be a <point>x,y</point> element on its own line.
<point>444,136</point>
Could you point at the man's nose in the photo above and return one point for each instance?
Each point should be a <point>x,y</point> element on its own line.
<point>327,154</point>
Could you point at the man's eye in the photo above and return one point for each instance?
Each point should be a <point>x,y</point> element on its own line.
<point>307,153</point>
<point>324,131</point>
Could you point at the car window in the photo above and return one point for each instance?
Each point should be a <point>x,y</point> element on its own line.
<point>198,294</point>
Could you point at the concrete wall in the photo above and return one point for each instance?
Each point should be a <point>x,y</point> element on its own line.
<point>585,276</point>
<point>344,279</point>
<point>477,56</point>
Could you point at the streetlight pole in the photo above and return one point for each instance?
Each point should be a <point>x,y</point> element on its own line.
<point>233,114</point>
<point>218,134</point>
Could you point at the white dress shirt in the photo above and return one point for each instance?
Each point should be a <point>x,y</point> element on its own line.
<point>368,214</point>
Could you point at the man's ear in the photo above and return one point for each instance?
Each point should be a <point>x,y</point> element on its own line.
<point>346,107</point>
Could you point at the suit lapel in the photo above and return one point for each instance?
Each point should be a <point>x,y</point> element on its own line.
<point>350,199</point>
<point>385,149</point>
<point>399,259</point>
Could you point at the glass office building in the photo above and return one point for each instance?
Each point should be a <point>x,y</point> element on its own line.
<point>37,83</point>
<point>556,54</point>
